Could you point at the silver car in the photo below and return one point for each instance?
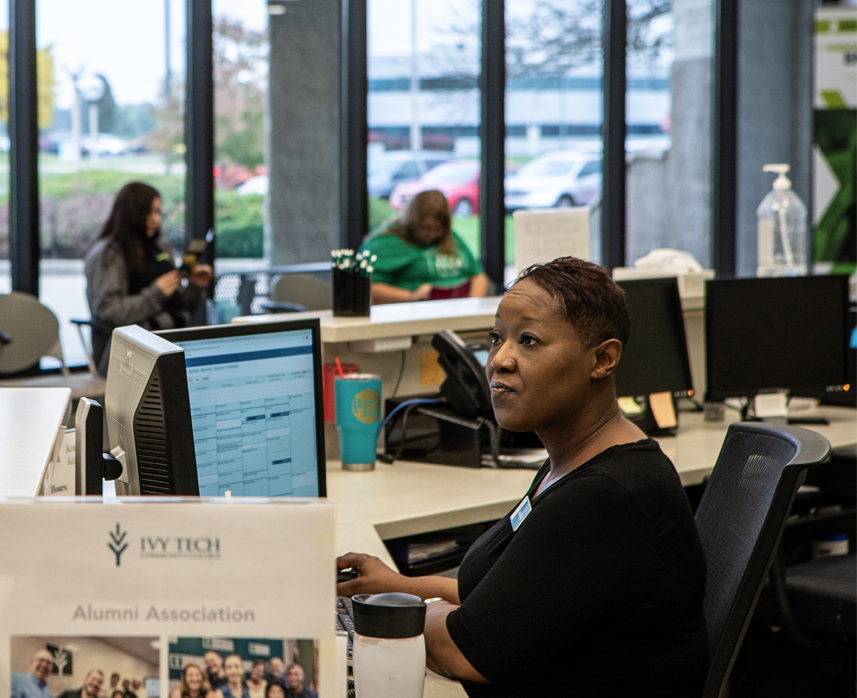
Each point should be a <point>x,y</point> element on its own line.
<point>389,169</point>
<point>558,179</point>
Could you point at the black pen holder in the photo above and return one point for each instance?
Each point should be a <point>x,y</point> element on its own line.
<point>352,293</point>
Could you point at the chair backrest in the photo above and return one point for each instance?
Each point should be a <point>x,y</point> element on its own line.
<point>304,289</point>
<point>740,520</point>
<point>34,329</point>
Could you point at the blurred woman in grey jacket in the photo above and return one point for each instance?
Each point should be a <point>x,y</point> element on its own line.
<point>131,278</point>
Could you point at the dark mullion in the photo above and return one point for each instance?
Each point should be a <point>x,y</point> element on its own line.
<point>23,155</point>
<point>199,122</point>
<point>354,131</point>
<point>493,134</point>
<point>724,190</point>
<point>613,132</point>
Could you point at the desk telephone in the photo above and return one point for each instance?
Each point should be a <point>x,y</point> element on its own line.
<point>462,430</point>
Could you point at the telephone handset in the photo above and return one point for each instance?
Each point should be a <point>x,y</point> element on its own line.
<point>465,387</point>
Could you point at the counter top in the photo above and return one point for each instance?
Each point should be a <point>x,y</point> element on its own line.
<point>408,498</point>
<point>397,319</point>
<point>30,419</point>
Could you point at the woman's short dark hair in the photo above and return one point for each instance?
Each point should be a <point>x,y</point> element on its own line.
<point>586,295</point>
<point>127,224</point>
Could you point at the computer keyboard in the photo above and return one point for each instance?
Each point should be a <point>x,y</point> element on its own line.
<point>345,620</point>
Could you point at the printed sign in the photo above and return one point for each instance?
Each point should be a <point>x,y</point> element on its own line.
<point>151,592</point>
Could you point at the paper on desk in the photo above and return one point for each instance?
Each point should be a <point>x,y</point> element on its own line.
<point>60,473</point>
<point>543,235</point>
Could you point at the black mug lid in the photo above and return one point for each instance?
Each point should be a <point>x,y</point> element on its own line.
<point>391,615</point>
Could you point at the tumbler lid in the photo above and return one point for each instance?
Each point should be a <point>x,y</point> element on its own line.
<point>358,377</point>
<point>391,615</point>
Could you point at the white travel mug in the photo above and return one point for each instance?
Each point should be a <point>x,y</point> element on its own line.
<point>389,654</point>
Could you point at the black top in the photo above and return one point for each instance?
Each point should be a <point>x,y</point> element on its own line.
<point>599,591</point>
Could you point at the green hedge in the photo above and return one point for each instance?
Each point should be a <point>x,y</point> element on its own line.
<point>239,223</point>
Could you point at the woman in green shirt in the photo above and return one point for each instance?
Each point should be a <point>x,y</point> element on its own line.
<point>420,252</point>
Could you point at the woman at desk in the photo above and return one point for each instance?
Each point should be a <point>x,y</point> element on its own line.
<point>130,275</point>
<point>419,257</point>
<point>593,584</point>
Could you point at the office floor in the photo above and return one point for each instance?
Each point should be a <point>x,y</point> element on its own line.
<point>769,666</point>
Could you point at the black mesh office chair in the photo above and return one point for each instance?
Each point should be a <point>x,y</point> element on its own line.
<point>740,520</point>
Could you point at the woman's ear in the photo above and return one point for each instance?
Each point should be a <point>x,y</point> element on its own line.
<point>607,356</point>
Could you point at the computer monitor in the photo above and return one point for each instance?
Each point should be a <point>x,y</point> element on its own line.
<point>654,359</point>
<point>785,333</point>
<point>255,395</point>
<point>148,415</point>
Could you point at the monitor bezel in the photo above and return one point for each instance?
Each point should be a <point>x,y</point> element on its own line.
<point>718,393</point>
<point>244,329</point>
<point>671,284</point>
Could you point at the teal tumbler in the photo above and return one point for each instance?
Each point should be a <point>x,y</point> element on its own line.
<point>358,415</point>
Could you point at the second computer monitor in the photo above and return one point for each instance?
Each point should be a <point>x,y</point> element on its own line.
<point>654,359</point>
<point>788,333</point>
<point>256,407</point>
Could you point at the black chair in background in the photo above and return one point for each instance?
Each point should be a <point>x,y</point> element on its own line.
<point>740,520</point>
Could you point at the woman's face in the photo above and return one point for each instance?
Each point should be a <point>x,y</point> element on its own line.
<point>429,231</point>
<point>275,690</point>
<point>193,678</point>
<point>234,670</point>
<point>538,371</point>
<point>153,221</point>
<point>257,673</point>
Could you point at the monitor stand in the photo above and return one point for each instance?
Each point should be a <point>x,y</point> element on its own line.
<point>92,465</point>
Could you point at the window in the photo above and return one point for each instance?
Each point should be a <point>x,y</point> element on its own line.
<point>669,128</point>
<point>240,116</point>
<point>111,84</point>
<point>423,67</point>
<point>5,271</point>
<point>553,108</point>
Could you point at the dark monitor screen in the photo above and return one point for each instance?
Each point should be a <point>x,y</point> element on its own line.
<point>654,360</point>
<point>256,407</point>
<point>788,333</point>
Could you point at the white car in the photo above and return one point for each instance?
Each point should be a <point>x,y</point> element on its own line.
<point>104,144</point>
<point>254,185</point>
<point>558,179</point>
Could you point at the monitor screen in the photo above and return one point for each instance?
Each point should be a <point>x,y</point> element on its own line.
<point>788,333</point>
<point>256,407</point>
<point>655,359</point>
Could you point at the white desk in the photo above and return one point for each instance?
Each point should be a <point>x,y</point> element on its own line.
<point>397,319</point>
<point>408,498</point>
<point>30,419</point>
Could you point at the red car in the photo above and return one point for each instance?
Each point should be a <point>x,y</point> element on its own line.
<point>457,179</point>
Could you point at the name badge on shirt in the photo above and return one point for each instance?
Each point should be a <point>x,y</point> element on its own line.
<point>522,511</point>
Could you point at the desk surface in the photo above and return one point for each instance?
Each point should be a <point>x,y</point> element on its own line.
<point>30,419</point>
<point>397,319</point>
<point>408,498</point>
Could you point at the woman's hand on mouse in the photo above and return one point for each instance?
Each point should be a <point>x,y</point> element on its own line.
<point>169,283</point>
<point>202,275</point>
<point>373,576</point>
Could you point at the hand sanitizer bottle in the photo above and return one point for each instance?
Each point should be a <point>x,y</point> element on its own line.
<point>781,229</point>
